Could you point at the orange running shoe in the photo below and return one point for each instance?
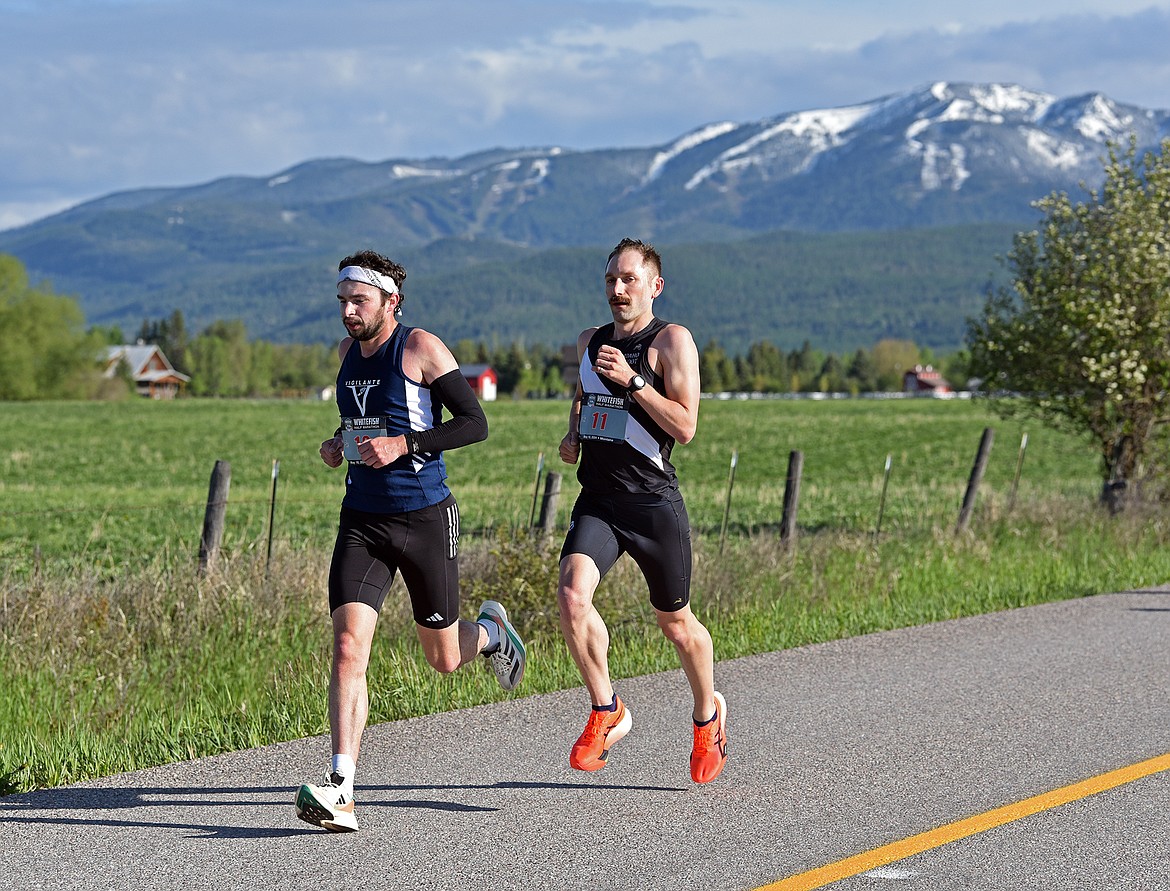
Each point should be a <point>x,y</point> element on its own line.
<point>603,730</point>
<point>709,753</point>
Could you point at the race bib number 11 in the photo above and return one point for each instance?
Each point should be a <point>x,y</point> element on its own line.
<point>603,417</point>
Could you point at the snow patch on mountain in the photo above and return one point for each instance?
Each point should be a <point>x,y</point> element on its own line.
<point>1102,122</point>
<point>405,171</point>
<point>1053,151</point>
<point>1009,99</point>
<point>684,144</point>
<point>944,166</point>
<point>820,130</point>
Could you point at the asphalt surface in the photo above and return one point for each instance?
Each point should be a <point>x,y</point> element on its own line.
<point>836,749</point>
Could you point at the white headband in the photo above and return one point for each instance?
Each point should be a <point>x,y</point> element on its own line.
<point>368,277</point>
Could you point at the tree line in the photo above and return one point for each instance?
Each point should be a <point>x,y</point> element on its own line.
<point>46,352</point>
<point>223,362</point>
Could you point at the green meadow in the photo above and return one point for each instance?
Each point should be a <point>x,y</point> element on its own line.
<point>119,655</point>
<point>111,484</point>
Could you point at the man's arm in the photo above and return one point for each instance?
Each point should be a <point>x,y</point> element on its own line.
<point>427,358</point>
<point>332,450</point>
<point>678,411</point>
<point>570,449</point>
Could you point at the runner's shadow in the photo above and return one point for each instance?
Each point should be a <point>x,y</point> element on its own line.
<point>200,831</point>
<point>18,809</point>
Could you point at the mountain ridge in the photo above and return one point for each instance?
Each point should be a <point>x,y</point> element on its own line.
<point>944,156</point>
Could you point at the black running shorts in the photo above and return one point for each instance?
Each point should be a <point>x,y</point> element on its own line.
<point>421,544</point>
<point>653,530</point>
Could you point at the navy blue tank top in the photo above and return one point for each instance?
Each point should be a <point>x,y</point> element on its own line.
<point>377,387</point>
<point>641,463</point>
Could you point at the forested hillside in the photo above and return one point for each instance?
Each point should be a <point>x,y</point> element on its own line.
<point>840,291</point>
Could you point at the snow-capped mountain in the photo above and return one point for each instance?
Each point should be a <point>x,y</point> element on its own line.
<point>947,153</point>
<point>942,155</point>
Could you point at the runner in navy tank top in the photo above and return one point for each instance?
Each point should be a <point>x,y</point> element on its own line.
<point>637,395</point>
<point>392,386</point>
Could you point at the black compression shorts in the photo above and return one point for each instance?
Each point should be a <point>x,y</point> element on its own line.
<point>653,530</point>
<point>422,544</point>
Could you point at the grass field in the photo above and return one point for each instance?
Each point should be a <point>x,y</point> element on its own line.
<point>109,483</point>
<point>117,656</point>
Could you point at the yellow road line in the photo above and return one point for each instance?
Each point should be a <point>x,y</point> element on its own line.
<point>936,838</point>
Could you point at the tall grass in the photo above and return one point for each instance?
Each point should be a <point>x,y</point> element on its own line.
<point>117,655</point>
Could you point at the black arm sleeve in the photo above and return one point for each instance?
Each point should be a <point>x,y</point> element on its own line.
<point>466,425</point>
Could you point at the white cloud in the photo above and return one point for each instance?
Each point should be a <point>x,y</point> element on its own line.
<point>122,94</point>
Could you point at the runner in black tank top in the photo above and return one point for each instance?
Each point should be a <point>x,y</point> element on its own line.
<point>638,393</point>
<point>641,463</point>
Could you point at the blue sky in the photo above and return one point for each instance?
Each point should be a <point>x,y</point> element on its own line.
<point>98,96</point>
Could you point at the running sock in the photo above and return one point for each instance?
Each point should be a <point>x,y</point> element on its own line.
<point>612,707</point>
<point>493,633</point>
<point>344,767</point>
<point>709,720</point>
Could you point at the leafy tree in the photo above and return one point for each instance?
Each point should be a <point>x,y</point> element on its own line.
<point>861,374</point>
<point>716,369</point>
<point>805,360</point>
<point>1083,331</point>
<point>45,352</point>
<point>261,369</point>
<point>298,368</point>
<point>832,376</point>
<point>956,368</point>
<point>892,359</point>
<point>110,335</point>
<point>221,360</point>
<point>765,364</point>
<point>170,336</point>
<point>464,351</point>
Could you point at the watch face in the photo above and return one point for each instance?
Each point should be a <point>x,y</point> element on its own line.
<point>637,382</point>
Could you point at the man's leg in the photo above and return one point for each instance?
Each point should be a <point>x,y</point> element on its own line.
<point>448,648</point>
<point>331,804</point>
<point>349,704</point>
<point>693,642</point>
<point>709,716</point>
<point>582,626</point>
<point>588,642</point>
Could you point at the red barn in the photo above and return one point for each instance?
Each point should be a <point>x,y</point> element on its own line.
<point>924,381</point>
<point>483,380</point>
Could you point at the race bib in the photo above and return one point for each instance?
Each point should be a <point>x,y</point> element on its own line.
<point>355,430</point>
<point>603,417</point>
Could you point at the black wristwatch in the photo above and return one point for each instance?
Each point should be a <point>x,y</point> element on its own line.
<point>637,382</point>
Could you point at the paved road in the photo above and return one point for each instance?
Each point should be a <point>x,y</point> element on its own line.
<point>837,749</point>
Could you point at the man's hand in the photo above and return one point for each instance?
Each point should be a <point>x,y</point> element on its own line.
<point>332,451</point>
<point>382,451</point>
<point>612,364</point>
<point>570,448</point>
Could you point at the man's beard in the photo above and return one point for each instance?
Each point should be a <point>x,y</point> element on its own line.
<point>369,330</point>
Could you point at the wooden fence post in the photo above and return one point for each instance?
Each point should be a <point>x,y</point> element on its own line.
<point>213,517</point>
<point>271,515</point>
<point>1019,468</point>
<point>974,480</point>
<point>877,529</point>
<point>548,505</point>
<point>727,503</point>
<point>791,498</point>
<point>536,488</point>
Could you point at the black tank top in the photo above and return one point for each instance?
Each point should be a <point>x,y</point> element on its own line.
<point>640,465</point>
